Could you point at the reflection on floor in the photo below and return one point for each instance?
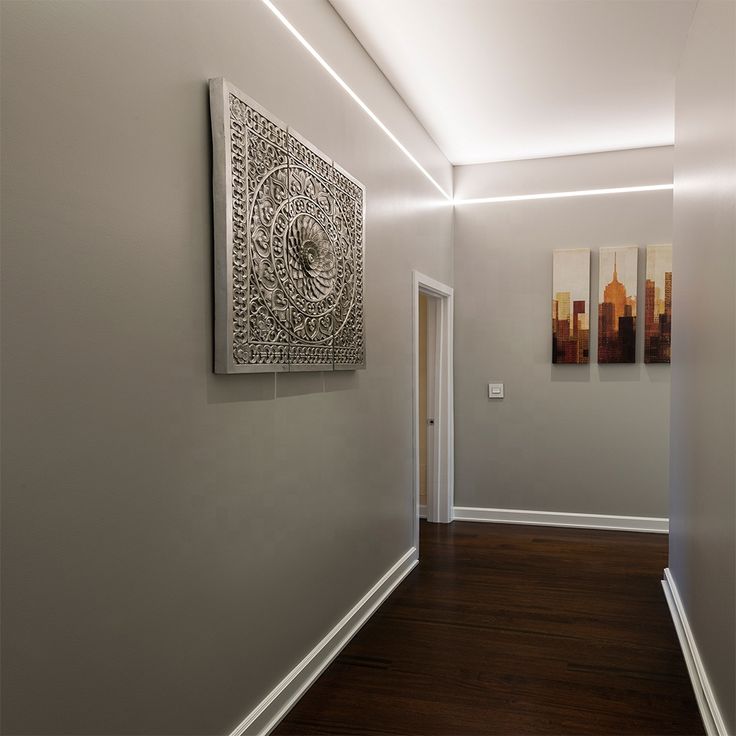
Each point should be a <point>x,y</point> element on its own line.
<point>505,629</point>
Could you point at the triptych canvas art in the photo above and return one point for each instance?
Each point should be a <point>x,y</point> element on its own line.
<point>617,305</point>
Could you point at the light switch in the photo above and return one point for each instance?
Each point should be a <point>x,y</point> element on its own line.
<point>495,390</point>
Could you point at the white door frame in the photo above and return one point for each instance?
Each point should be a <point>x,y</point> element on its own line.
<point>440,473</point>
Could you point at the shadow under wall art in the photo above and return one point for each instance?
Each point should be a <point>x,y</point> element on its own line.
<point>617,280</point>
<point>288,246</point>
<point>658,304</point>
<point>571,306</point>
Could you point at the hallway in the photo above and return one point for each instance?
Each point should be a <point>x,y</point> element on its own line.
<point>506,629</point>
<point>217,219</point>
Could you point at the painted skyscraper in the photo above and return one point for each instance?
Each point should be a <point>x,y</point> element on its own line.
<point>617,304</point>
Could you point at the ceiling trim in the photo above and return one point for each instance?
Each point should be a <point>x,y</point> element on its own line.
<point>475,200</point>
<point>351,93</point>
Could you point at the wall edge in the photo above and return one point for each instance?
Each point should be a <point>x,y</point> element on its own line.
<point>708,705</point>
<point>274,707</point>
<point>650,524</point>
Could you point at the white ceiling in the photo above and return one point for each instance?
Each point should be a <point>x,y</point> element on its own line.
<point>495,80</point>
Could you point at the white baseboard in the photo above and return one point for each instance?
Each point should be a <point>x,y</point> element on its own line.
<point>557,518</point>
<point>422,510</point>
<point>283,697</point>
<point>709,710</point>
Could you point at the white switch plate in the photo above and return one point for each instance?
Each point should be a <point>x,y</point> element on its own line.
<point>495,390</point>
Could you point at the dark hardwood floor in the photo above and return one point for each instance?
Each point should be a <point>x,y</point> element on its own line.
<point>513,630</point>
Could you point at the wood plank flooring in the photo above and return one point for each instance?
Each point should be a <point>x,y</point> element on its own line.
<point>514,630</point>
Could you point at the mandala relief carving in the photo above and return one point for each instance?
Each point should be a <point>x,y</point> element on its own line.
<point>289,261</point>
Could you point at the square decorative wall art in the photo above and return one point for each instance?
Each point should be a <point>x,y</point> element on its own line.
<point>288,246</point>
<point>617,282</point>
<point>571,306</point>
<point>658,304</point>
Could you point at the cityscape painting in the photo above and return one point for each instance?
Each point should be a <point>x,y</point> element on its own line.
<point>571,306</point>
<point>617,280</point>
<point>658,304</point>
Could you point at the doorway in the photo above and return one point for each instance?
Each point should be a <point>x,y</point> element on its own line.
<point>433,430</point>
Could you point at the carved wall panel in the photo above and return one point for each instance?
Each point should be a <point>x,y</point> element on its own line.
<point>288,246</point>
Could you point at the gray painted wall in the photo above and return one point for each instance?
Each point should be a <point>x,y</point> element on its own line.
<point>174,542</point>
<point>703,432</point>
<point>588,439</point>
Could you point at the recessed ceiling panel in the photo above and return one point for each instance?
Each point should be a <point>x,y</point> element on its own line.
<point>495,80</point>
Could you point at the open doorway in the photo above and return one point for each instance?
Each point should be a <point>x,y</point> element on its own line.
<point>426,424</point>
<point>433,401</point>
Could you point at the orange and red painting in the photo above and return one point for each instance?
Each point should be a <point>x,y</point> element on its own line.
<point>571,306</point>
<point>658,304</point>
<point>617,281</point>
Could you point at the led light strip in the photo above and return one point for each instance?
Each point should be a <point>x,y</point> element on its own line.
<point>303,41</point>
<point>478,200</point>
<point>560,195</point>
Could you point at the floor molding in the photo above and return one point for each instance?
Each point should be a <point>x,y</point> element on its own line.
<point>556,518</point>
<point>422,510</point>
<point>709,710</point>
<point>284,696</point>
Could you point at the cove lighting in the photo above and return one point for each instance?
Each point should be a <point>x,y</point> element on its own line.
<point>303,41</point>
<point>560,195</point>
<point>478,200</point>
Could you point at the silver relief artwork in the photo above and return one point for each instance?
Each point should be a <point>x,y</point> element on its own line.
<point>288,246</point>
